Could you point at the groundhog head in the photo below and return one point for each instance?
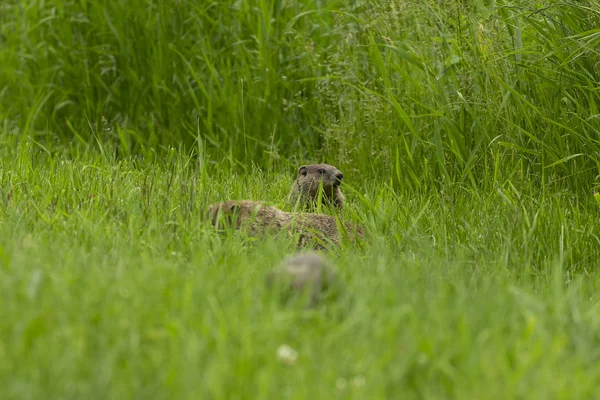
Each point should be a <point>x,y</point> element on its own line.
<point>231,213</point>
<point>316,174</point>
<point>306,188</point>
<point>220,213</point>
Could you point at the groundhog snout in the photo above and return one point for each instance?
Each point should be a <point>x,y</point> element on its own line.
<point>337,177</point>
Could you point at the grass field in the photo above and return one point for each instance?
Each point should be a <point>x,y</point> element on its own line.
<point>469,137</point>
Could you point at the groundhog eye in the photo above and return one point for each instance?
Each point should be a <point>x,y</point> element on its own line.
<point>321,171</point>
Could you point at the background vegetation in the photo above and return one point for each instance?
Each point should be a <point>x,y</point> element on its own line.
<point>469,136</point>
<point>419,91</point>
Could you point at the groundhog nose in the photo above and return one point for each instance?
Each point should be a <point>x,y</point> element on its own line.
<point>339,176</point>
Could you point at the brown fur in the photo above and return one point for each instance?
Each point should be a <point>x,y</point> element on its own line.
<point>304,272</point>
<point>305,190</point>
<point>257,218</point>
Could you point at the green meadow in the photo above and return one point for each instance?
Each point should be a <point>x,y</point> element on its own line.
<point>468,133</point>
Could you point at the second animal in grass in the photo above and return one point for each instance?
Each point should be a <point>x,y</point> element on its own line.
<point>312,230</point>
<point>311,178</point>
<point>304,273</point>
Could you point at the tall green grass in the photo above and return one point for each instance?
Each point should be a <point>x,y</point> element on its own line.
<point>113,287</point>
<point>523,229</point>
<point>474,93</point>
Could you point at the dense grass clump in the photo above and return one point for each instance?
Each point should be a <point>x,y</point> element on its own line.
<point>468,135</point>
<point>431,92</point>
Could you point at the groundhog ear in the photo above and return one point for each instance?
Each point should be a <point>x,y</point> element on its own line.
<point>213,213</point>
<point>303,170</point>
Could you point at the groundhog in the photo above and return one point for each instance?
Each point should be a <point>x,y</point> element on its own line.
<point>316,230</point>
<point>303,274</point>
<point>305,190</point>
